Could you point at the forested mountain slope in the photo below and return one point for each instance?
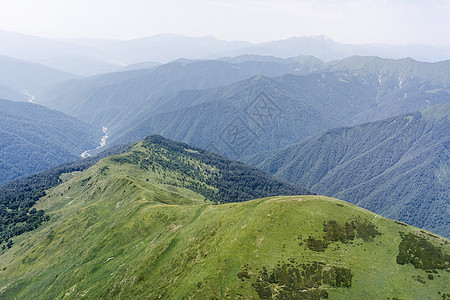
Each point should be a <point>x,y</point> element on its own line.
<point>398,167</point>
<point>7,92</point>
<point>20,79</point>
<point>34,138</point>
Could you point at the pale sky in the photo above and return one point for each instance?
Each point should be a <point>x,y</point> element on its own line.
<point>350,21</point>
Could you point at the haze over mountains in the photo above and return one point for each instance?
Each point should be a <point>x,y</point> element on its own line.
<point>107,98</point>
<point>91,56</point>
<point>55,54</point>
<point>20,79</point>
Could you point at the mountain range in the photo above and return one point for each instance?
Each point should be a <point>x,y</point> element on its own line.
<point>141,225</point>
<point>105,99</point>
<point>327,49</point>
<point>224,107</point>
<point>61,55</point>
<point>198,102</point>
<point>96,56</point>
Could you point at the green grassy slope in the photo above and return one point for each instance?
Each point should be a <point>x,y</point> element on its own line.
<point>117,231</point>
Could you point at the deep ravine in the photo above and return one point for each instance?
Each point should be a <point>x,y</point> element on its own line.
<point>31,99</point>
<point>102,143</point>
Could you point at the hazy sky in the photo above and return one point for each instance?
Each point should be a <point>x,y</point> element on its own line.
<point>353,21</point>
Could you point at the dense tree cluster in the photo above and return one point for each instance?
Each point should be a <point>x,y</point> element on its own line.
<point>294,280</point>
<point>421,253</point>
<point>346,233</point>
<point>18,197</point>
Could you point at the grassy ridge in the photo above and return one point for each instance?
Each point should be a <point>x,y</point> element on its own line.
<point>118,231</point>
<point>216,178</point>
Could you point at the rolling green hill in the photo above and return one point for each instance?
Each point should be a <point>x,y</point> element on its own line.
<point>217,179</point>
<point>18,197</point>
<point>398,167</point>
<point>137,225</point>
<point>34,138</point>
